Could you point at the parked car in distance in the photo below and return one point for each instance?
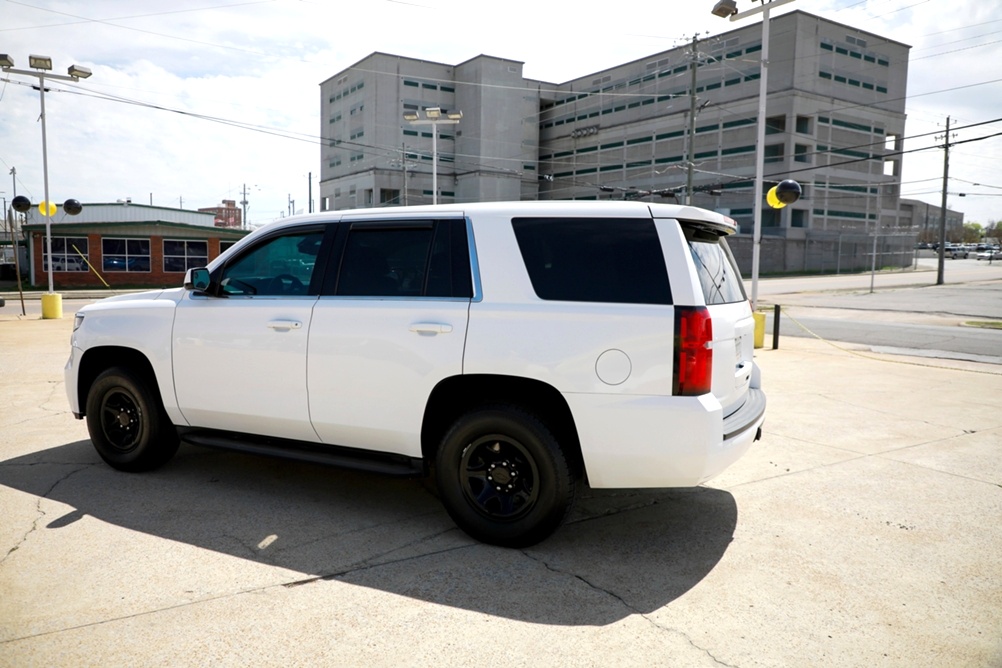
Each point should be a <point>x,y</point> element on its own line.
<point>954,252</point>
<point>989,255</point>
<point>515,350</point>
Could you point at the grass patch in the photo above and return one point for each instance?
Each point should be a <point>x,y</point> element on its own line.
<point>984,324</point>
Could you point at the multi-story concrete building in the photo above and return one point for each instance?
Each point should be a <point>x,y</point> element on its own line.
<point>923,219</point>
<point>373,157</point>
<point>834,122</point>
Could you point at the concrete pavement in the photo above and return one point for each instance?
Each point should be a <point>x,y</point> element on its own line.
<point>863,530</point>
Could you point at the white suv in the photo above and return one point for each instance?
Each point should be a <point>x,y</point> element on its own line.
<point>516,349</point>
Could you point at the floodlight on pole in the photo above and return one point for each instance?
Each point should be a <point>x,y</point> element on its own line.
<point>40,62</point>
<point>42,65</point>
<point>434,118</point>
<point>728,9</point>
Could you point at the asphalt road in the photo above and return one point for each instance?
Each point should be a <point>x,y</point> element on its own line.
<point>907,313</point>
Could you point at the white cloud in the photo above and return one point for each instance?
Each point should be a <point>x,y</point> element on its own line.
<point>260,64</point>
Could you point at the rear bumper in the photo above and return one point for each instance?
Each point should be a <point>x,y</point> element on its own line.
<point>747,417</point>
<point>660,442</point>
<point>741,429</point>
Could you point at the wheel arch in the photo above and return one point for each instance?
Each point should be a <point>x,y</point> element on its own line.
<point>458,395</point>
<point>97,360</point>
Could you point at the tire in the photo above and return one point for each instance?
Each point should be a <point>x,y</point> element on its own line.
<point>127,422</point>
<point>503,478</point>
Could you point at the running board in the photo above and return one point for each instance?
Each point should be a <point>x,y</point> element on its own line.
<point>329,455</point>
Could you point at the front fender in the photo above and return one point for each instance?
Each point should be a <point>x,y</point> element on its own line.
<point>110,329</point>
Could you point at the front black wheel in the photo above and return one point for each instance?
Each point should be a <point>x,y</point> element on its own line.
<point>503,477</point>
<point>127,422</point>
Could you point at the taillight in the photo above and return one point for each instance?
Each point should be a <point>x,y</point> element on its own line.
<point>693,352</point>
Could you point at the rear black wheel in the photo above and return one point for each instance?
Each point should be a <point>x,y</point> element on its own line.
<point>127,422</point>
<point>503,477</point>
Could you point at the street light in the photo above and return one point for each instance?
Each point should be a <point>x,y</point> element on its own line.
<point>729,9</point>
<point>42,65</point>
<point>434,118</point>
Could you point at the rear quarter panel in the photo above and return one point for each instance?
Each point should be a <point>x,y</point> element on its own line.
<point>514,332</point>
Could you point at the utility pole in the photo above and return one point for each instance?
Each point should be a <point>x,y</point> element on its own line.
<point>243,203</point>
<point>17,242</point>
<point>942,212</point>
<point>403,165</point>
<point>692,119</point>
<point>310,207</point>
<point>292,205</point>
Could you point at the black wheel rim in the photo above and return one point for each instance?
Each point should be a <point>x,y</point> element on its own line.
<point>499,477</point>
<point>121,420</point>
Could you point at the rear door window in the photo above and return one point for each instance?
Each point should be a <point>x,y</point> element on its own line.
<point>615,260</point>
<point>404,259</point>
<point>718,273</point>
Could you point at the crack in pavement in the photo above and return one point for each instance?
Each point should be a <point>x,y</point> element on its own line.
<point>46,411</point>
<point>367,565</point>
<point>41,513</point>
<point>622,601</point>
<point>251,590</point>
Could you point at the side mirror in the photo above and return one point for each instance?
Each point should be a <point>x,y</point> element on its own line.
<point>197,279</point>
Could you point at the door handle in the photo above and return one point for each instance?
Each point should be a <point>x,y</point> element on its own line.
<point>431,328</point>
<point>285,324</point>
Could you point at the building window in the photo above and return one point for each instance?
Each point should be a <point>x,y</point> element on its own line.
<point>181,255</point>
<point>64,254</point>
<point>225,245</point>
<point>775,125</point>
<point>798,218</point>
<point>131,255</point>
<point>773,153</point>
<point>804,125</point>
<point>801,153</point>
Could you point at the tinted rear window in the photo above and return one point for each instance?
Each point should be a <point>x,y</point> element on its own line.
<point>718,274</point>
<point>594,259</point>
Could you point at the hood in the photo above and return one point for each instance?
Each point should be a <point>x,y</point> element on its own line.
<point>120,301</point>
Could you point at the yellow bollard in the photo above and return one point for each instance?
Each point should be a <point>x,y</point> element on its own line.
<point>759,329</point>
<point>52,306</point>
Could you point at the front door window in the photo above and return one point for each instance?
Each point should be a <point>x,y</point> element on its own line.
<point>282,266</point>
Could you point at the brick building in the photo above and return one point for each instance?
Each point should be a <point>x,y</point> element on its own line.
<point>124,245</point>
<point>227,214</point>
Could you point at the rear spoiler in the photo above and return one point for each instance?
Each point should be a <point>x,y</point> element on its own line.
<point>703,219</point>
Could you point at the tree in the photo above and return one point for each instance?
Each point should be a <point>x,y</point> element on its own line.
<point>972,233</point>
<point>993,232</point>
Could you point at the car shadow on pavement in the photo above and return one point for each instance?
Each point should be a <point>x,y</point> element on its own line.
<point>622,552</point>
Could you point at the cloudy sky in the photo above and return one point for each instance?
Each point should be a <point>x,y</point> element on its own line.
<point>188,105</point>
